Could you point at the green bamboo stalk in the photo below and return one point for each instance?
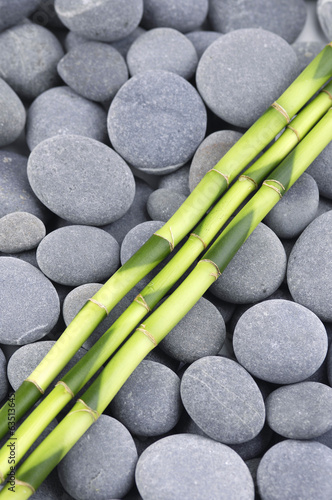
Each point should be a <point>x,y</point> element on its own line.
<point>87,410</point>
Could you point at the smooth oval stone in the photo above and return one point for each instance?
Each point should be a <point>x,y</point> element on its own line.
<point>12,114</point>
<point>306,51</point>
<point>149,403</point>
<point>156,121</point>
<point>223,399</point>
<point>324,13</point>
<point>201,40</point>
<point>29,306</point>
<point>256,271</point>
<point>163,48</point>
<point>300,411</point>
<point>163,203</point>
<point>20,231</point>
<point>3,376</point>
<point>176,181</point>
<point>249,61</point>
<point>182,15</point>
<point>94,70</point>
<point>61,111</point>
<point>75,255</point>
<point>321,170</point>
<point>101,464</point>
<point>295,469</point>
<point>29,55</point>
<point>200,333</point>
<point>309,272</point>
<point>189,466</point>
<point>105,20</point>
<point>13,11</point>
<point>280,341</point>
<point>60,174</point>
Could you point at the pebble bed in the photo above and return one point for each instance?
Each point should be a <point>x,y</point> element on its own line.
<point>111,112</point>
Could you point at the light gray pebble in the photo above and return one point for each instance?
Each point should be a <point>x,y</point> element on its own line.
<point>176,181</point>
<point>223,399</point>
<point>321,170</point>
<point>13,11</point>
<point>156,121</point>
<point>61,111</point>
<point>75,255</point>
<point>81,180</point>
<point>29,55</point>
<point>30,304</point>
<point>149,402</point>
<point>195,467</point>
<point>3,376</point>
<point>94,70</point>
<point>125,43</point>
<point>163,203</point>
<point>324,13</point>
<point>101,464</point>
<point>165,49</point>
<point>280,341</point>
<point>306,51</point>
<point>105,20</point>
<point>201,40</point>
<point>309,272</point>
<point>12,114</point>
<point>182,15</point>
<point>73,40</point>
<point>325,439</point>
<point>20,231</point>
<point>256,271</point>
<point>249,62</point>
<point>295,469</point>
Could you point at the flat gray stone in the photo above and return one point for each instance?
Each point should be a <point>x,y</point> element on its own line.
<point>321,170</point>
<point>280,341</point>
<point>29,306</point>
<point>20,231</point>
<point>201,40</point>
<point>324,13</point>
<point>176,181</point>
<point>182,15</point>
<point>12,114</point>
<point>249,61</point>
<point>81,180</point>
<point>306,51</point>
<point>223,399</point>
<point>163,203</point>
<point>156,121</point>
<point>13,11</point>
<point>75,255</point>
<point>3,376</point>
<point>309,272</point>
<point>61,111</point>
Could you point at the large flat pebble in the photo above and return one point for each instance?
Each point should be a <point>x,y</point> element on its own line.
<point>20,231</point>
<point>12,114</point>
<point>182,15</point>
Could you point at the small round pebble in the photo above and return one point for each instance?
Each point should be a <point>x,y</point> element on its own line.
<point>81,180</point>
<point>182,15</point>
<point>223,399</point>
<point>280,341</point>
<point>20,231</point>
<point>75,255</point>
<point>94,70</point>
<point>156,121</point>
<point>163,48</point>
<point>149,403</point>
<point>306,51</point>
<point>3,376</point>
<point>249,61</point>
<point>295,469</point>
<point>201,40</point>
<point>29,306</point>
<point>163,203</point>
<point>256,271</point>
<point>12,114</point>
<point>188,466</point>
<point>176,181</point>
<point>321,170</point>
<point>29,55</point>
<point>13,11</point>
<point>101,464</point>
<point>105,20</point>
<point>61,111</point>
<point>309,272</point>
<point>324,13</point>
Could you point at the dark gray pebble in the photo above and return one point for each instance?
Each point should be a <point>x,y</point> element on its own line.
<point>306,51</point>
<point>226,309</point>
<point>81,180</point>
<point>20,231</point>
<point>159,356</point>
<point>324,13</point>
<point>280,341</point>
<point>29,306</point>
<point>195,467</point>
<point>46,16</point>
<point>223,399</point>
<point>321,170</point>
<point>255,447</point>
<point>163,203</point>
<point>182,15</point>
<point>75,255</point>
<point>156,121</point>
<point>13,11</point>
<point>176,181</point>
<point>201,40</point>
<point>12,114</point>
<point>3,376</point>
<point>324,205</point>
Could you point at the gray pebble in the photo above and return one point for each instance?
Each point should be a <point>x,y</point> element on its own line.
<point>159,356</point>
<point>249,61</point>
<point>254,447</point>
<point>223,399</point>
<point>176,181</point>
<point>20,231</point>
<point>163,203</point>
<point>329,365</point>
<point>148,403</point>
<point>201,40</point>
<point>156,121</point>
<point>73,40</point>
<point>29,55</point>
<point>75,255</point>
<point>101,464</point>
<point>125,43</point>
<point>309,272</point>
<point>81,180</point>
<point>280,341</point>
<point>182,15</point>
<point>3,376</point>
<point>13,11</point>
<point>30,304</point>
<point>325,438</point>
<point>12,114</point>
<point>200,333</point>
<point>29,257</point>
<point>321,170</point>
<point>61,111</point>
<point>306,51</point>
<point>324,13</point>
<point>105,20</point>
<point>256,271</point>
<point>94,70</point>
<point>188,466</point>
<point>136,237</point>
<point>165,49</point>
<point>295,469</point>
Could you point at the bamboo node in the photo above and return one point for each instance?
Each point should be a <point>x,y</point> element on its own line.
<point>40,389</point>
<point>99,304</point>
<point>67,388</point>
<point>273,187</point>
<point>281,110</point>
<point>220,173</point>
<point>201,239</point>
<point>94,414</point>
<point>330,44</point>
<point>170,242</point>
<point>246,177</point>
<point>2,477</point>
<point>142,302</point>
<point>147,334</point>
<point>218,273</point>
<point>328,93</point>
<point>295,132</point>
<point>18,482</point>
